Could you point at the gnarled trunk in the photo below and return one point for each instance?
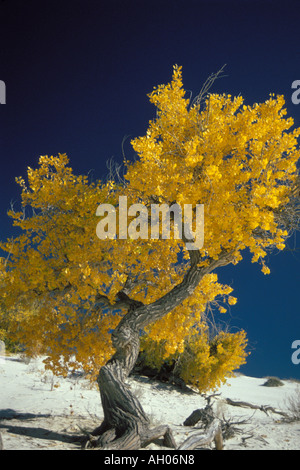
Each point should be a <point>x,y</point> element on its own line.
<point>125,425</point>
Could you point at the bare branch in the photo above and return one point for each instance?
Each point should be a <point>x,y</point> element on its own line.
<point>264,408</point>
<point>207,85</point>
<point>115,172</point>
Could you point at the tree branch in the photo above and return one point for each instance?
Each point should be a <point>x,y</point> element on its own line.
<point>144,315</point>
<point>264,408</point>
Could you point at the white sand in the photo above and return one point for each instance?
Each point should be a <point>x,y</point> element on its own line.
<point>39,411</point>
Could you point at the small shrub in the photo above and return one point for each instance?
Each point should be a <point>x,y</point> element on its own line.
<point>293,406</point>
<point>273,382</point>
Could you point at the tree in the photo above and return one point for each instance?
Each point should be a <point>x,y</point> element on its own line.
<point>90,301</point>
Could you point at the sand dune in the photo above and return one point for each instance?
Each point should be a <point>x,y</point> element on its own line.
<point>42,412</point>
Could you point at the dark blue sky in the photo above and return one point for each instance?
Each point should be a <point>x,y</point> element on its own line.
<point>77,74</point>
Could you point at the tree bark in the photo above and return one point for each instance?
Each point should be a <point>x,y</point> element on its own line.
<point>204,438</point>
<point>126,425</point>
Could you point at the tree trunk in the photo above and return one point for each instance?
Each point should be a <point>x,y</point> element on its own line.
<point>123,413</point>
<point>125,425</point>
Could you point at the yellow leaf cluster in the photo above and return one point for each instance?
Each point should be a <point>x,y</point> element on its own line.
<point>206,364</point>
<point>202,362</point>
<point>239,161</point>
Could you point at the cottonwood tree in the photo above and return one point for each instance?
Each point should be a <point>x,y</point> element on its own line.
<point>85,301</point>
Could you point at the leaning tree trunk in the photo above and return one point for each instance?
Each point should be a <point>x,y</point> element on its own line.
<point>126,425</point>
<point>124,417</point>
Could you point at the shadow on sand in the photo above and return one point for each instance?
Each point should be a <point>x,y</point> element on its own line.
<point>35,432</point>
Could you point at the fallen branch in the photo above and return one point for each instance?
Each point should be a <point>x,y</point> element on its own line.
<point>229,428</point>
<point>264,408</point>
<point>213,433</point>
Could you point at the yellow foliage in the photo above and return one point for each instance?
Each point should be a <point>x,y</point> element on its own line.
<point>237,160</point>
<point>202,363</point>
<point>206,364</point>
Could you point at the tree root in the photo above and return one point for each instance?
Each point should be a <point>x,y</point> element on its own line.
<point>133,438</point>
<point>136,437</point>
<point>133,432</point>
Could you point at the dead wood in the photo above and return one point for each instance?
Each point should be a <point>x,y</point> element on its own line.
<point>132,439</point>
<point>198,440</point>
<point>205,415</point>
<point>264,408</point>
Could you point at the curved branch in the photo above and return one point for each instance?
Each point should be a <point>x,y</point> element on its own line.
<point>143,315</point>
